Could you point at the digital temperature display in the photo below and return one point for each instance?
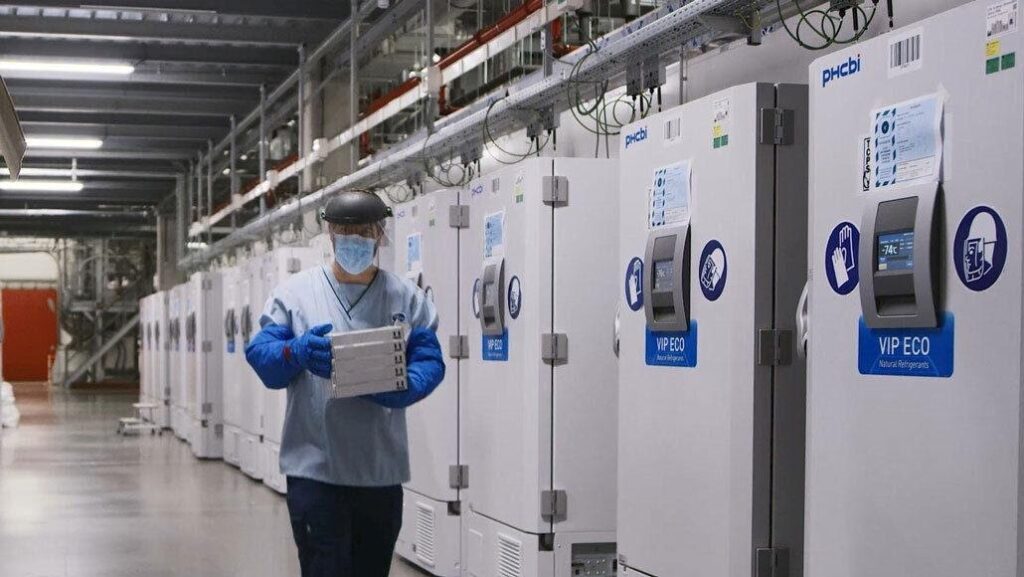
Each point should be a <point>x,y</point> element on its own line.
<point>896,251</point>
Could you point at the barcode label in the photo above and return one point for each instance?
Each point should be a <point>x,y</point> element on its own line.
<point>905,53</point>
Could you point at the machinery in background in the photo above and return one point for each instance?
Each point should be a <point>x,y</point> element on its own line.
<point>914,390</point>
<point>711,262</point>
<point>101,284</point>
<point>276,266</point>
<point>537,264</point>
<point>206,406</point>
<point>233,365</point>
<point>426,245</point>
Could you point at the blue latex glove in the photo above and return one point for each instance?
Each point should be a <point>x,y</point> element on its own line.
<point>278,356</point>
<point>424,368</point>
<point>312,351</point>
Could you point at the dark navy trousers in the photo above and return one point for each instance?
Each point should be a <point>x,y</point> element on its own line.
<point>344,531</point>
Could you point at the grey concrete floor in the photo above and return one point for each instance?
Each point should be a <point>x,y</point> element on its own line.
<point>78,500</point>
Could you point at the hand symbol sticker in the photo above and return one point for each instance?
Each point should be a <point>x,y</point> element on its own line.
<point>841,267</point>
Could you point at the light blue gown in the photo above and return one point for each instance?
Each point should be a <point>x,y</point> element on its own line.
<point>352,442</point>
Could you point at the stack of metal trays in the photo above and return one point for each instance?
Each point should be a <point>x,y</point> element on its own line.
<point>369,361</point>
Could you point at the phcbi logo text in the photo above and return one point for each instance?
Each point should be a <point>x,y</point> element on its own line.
<point>848,68</point>
<point>639,136</point>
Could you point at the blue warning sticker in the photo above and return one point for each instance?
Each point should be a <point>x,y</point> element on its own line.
<point>495,347</point>
<point>714,267</point>
<point>841,266</point>
<point>634,284</point>
<point>907,352</point>
<point>979,248</point>
<point>515,297</point>
<point>672,348</point>
<point>231,346</point>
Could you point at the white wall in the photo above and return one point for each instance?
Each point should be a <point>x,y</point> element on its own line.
<point>25,267</point>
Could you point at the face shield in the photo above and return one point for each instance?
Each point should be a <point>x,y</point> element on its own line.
<point>979,250</point>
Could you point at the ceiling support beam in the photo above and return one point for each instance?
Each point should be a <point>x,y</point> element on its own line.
<point>266,33</point>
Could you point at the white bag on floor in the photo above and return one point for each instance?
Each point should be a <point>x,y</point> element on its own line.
<point>9,416</point>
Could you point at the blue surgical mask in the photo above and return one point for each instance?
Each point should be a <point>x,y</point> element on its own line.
<point>354,252</point>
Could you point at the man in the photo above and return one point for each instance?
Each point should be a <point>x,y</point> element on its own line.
<point>345,459</point>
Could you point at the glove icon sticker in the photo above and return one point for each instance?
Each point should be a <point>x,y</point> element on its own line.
<point>841,266</point>
<point>714,268</point>
<point>635,284</point>
<point>979,248</point>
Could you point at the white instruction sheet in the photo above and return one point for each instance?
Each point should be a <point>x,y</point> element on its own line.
<point>907,142</point>
<point>669,201</point>
<point>494,234</point>
<point>414,253</point>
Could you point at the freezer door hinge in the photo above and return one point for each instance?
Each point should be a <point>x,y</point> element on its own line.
<point>556,190</point>
<point>207,408</point>
<point>204,423</point>
<point>218,430</point>
<point>458,476</point>
<point>458,216</point>
<point>554,505</point>
<point>207,346</point>
<point>777,126</point>
<point>554,348</point>
<point>458,347</point>
<point>294,265</point>
<point>207,284</point>
<point>774,347</point>
<point>771,562</point>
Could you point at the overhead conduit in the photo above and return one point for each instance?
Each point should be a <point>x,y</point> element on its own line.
<point>514,26</point>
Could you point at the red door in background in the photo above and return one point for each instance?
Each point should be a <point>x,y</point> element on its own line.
<point>30,333</point>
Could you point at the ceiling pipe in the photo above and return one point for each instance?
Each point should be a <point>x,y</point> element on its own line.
<point>63,212</point>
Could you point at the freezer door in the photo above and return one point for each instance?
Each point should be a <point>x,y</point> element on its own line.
<point>919,474</point>
<point>428,249</point>
<point>695,421</point>
<point>507,427</point>
<point>585,291</point>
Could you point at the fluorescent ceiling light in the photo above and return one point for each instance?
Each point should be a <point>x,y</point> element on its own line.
<point>41,185</point>
<point>66,67</point>
<point>32,171</point>
<point>64,142</point>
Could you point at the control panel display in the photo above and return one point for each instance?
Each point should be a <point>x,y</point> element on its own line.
<point>663,274</point>
<point>896,251</point>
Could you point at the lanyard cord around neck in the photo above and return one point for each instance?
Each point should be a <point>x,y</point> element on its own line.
<point>348,309</point>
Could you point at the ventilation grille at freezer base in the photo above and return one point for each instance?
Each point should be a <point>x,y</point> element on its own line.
<point>425,550</point>
<point>510,557</point>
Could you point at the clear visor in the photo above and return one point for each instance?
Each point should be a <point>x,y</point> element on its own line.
<point>376,231</point>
